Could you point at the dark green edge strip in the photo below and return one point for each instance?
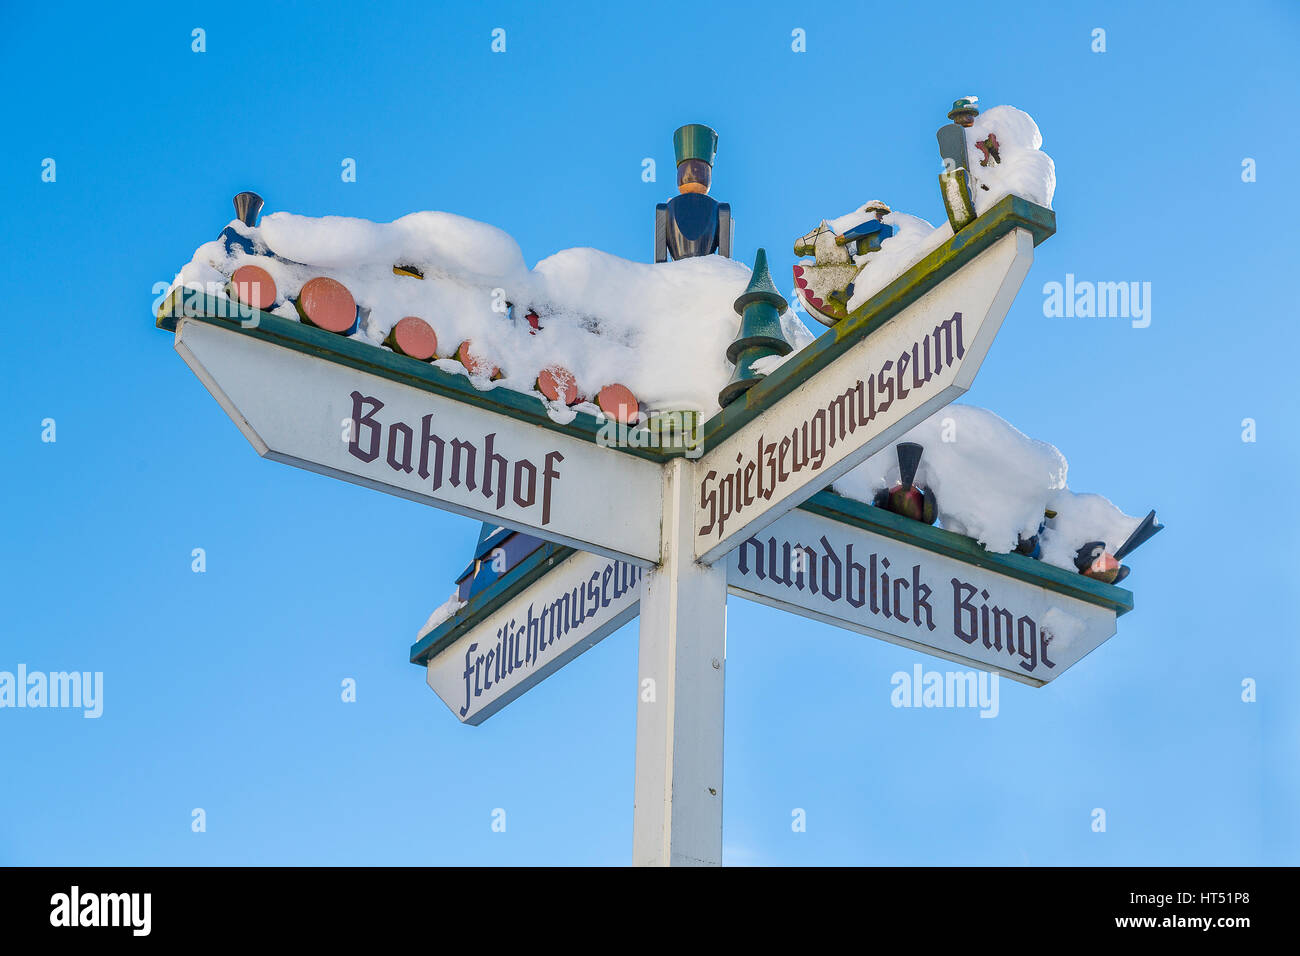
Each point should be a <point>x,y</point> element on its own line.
<point>310,340</point>
<point>1008,214</point>
<point>828,504</point>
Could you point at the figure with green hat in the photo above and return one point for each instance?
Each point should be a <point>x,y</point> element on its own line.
<point>955,180</point>
<point>952,138</point>
<point>693,223</point>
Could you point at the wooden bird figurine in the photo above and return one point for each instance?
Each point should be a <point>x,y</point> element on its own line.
<point>1094,561</point>
<point>907,498</point>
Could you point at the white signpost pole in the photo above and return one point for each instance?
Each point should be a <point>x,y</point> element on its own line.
<point>677,819</point>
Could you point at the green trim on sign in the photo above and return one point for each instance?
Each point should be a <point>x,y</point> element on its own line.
<point>301,337</point>
<point>1006,216</point>
<point>532,568</point>
<point>859,514</point>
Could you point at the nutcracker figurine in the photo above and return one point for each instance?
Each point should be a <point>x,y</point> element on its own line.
<point>693,223</point>
<point>955,180</point>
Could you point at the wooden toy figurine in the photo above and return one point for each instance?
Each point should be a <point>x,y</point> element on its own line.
<point>498,550</point>
<point>692,223</point>
<point>907,498</point>
<point>474,363</point>
<point>760,308</point>
<point>414,337</point>
<point>558,384</point>
<point>247,207</point>
<point>825,286</point>
<point>327,304</point>
<point>618,402</point>
<point>1032,546</point>
<point>1094,561</point>
<point>955,180</point>
<point>252,285</point>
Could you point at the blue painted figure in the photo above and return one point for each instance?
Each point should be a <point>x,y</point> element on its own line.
<point>499,549</point>
<point>693,223</point>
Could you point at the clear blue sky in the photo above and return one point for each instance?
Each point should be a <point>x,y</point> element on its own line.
<point>222,689</point>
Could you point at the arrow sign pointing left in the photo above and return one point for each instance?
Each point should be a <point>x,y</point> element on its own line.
<point>349,424</point>
<point>579,602</point>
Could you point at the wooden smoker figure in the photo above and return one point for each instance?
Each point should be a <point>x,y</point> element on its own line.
<point>693,223</point>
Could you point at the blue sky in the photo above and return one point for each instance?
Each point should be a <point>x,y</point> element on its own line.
<point>222,688</point>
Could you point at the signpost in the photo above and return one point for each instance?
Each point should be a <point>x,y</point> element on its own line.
<point>750,517</point>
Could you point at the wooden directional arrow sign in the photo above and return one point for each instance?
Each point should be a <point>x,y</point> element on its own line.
<point>526,638</point>
<point>832,559</point>
<point>858,388</point>
<point>845,563</point>
<point>438,448</point>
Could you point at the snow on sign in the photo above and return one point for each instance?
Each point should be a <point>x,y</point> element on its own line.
<point>1023,620</point>
<point>342,422</point>
<point>580,601</point>
<point>864,397</point>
